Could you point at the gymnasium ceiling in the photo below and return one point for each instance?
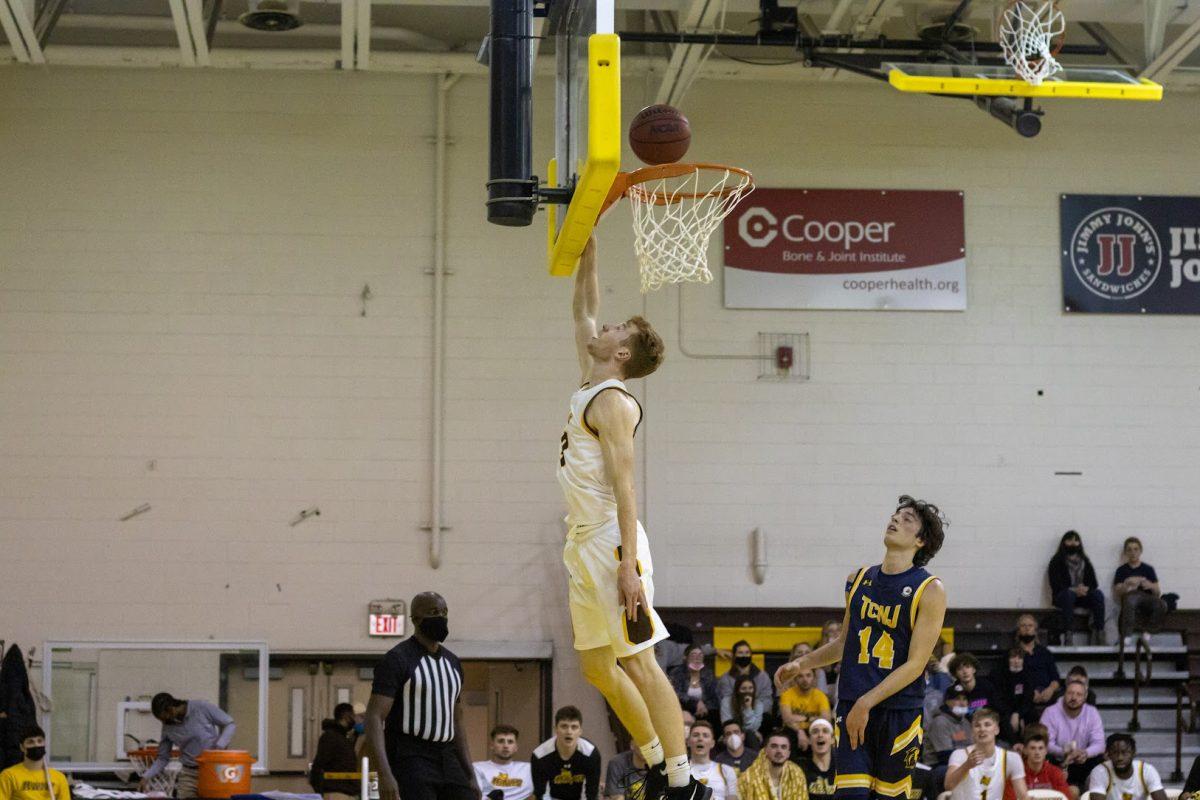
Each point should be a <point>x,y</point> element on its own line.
<point>1158,38</point>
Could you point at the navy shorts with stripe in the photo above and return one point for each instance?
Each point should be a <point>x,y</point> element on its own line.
<point>883,764</point>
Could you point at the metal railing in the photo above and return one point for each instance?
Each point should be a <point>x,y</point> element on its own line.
<point>1181,691</point>
<point>1141,646</point>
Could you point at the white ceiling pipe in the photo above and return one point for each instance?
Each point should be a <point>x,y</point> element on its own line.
<point>123,22</point>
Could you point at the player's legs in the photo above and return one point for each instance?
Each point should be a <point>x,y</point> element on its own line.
<point>853,779</point>
<point>599,666</point>
<point>656,691</point>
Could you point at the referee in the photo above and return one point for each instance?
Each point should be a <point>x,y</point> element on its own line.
<point>414,720</point>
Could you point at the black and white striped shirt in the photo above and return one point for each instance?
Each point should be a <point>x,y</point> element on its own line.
<point>424,687</point>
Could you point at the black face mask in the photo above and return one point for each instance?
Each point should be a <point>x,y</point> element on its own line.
<point>1072,548</point>
<point>1026,638</point>
<point>35,753</point>
<point>435,628</point>
<point>742,661</point>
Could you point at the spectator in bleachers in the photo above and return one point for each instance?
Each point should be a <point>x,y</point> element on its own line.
<point>1078,672</point>
<point>981,691</point>
<point>1016,696</point>
<point>335,753</point>
<point>744,666</point>
<point>818,767</point>
<point>1041,670</point>
<point>745,705</point>
<point>1075,732</point>
<point>721,778</point>
<point>695,685</point>
<point>735,749</point>
<point>949,729</point>
<point>937,681</point>
<point>773,776</point>
<point>502,778</point>
<point>31,778</point>
<point>800,649</point>
<point>1039,772</point>
<point>567,763</point>
<point>1191,786</point>
<point>831,630</point>
<point>1124,777</point>
<point>984,771</point>
<point>801,703</point>
<point>1137,593</point>
<point>1073,584</point>
<point>625,775</point>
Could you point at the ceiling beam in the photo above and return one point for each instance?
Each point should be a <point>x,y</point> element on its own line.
<point>194,10</point>
<point>1173,54</point>
<point>686,59</point>
<point>46,19</point>
<point>348,29</point>
<point>362,35</point>
<point>18,16</point>
<point>1116,48</point>
<point>1154,28</point>
<point>187,50</point>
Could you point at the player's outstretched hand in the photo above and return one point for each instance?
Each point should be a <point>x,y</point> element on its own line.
<point>786,674</point>
<point>629,587</point>
<point>856,724</point>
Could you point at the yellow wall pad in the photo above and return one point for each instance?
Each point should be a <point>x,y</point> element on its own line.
<point>1015,87</point>
<point>778,640</point>
<point>603,156</point>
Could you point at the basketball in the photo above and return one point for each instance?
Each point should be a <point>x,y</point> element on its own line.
<point>660,134</point>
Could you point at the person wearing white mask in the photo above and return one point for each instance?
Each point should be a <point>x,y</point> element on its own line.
<point>695,684</point>
<point>736,753</point>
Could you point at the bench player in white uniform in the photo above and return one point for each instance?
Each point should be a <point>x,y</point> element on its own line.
<point>607,553</point>
<point>1124,777</point>
<point>980,772</point>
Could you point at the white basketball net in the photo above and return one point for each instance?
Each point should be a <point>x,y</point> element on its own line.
<point>164,782</point>
<point>673,219</point>
<point>1027,30</point>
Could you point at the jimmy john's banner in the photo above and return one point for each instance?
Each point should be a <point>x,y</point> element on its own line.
<point>1130,254</point>
<point>847,248</point>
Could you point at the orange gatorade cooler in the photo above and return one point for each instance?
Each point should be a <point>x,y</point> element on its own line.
<point>223,773</point>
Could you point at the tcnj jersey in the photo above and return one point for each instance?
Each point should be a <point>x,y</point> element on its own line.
<point>1143,781</point>
<point>590,498</point>
<point>719,777</point>
<point>986,781</point>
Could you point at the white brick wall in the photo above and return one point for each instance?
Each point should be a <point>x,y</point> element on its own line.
<point>179,277</point>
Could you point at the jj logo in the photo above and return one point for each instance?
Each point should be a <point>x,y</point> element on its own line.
<point>1116,253</point>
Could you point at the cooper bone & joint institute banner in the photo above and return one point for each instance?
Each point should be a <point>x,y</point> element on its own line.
<point>1130,254</point>
<point>847,249</point>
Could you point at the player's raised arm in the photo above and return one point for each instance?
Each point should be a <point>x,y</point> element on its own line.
<point>931,613</point>
<point>586,305</point>
<point>615,415</point>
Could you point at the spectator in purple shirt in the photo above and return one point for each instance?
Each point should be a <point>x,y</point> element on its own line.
<point>1076,733</point>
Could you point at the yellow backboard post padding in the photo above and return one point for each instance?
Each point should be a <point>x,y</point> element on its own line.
<point>603,155</point>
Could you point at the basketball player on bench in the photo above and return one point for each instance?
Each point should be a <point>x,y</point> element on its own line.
<point>894,614</point>
<point>607,553</point>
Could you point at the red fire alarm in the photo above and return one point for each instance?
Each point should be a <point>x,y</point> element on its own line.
<point>783,358</point>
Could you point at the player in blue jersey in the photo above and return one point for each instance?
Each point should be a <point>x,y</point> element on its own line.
<point>894,614</point>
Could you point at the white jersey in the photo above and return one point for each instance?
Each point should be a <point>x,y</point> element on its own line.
<point>719,777</point>
<point>987,781</point>
<point>515,778</point>
<point>590,498</point>
<point>1143,781</point>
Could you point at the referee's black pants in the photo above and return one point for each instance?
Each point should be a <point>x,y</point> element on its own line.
<point>433,773</point>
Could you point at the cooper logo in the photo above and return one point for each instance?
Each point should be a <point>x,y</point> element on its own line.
<point>757,227</point>
<point>1116,253</point>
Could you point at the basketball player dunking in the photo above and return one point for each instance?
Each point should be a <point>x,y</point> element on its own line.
<point>894,614</point>
<point>607,553</point>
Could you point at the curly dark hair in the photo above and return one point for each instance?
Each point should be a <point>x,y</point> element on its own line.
<point>933,527</point>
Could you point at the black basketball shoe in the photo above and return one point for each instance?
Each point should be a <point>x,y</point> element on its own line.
<point>695,790</point>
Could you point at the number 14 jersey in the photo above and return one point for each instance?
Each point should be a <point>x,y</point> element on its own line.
<point>883,611</point>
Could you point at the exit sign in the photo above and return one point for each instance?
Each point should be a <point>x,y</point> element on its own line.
<point>385,618</point>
